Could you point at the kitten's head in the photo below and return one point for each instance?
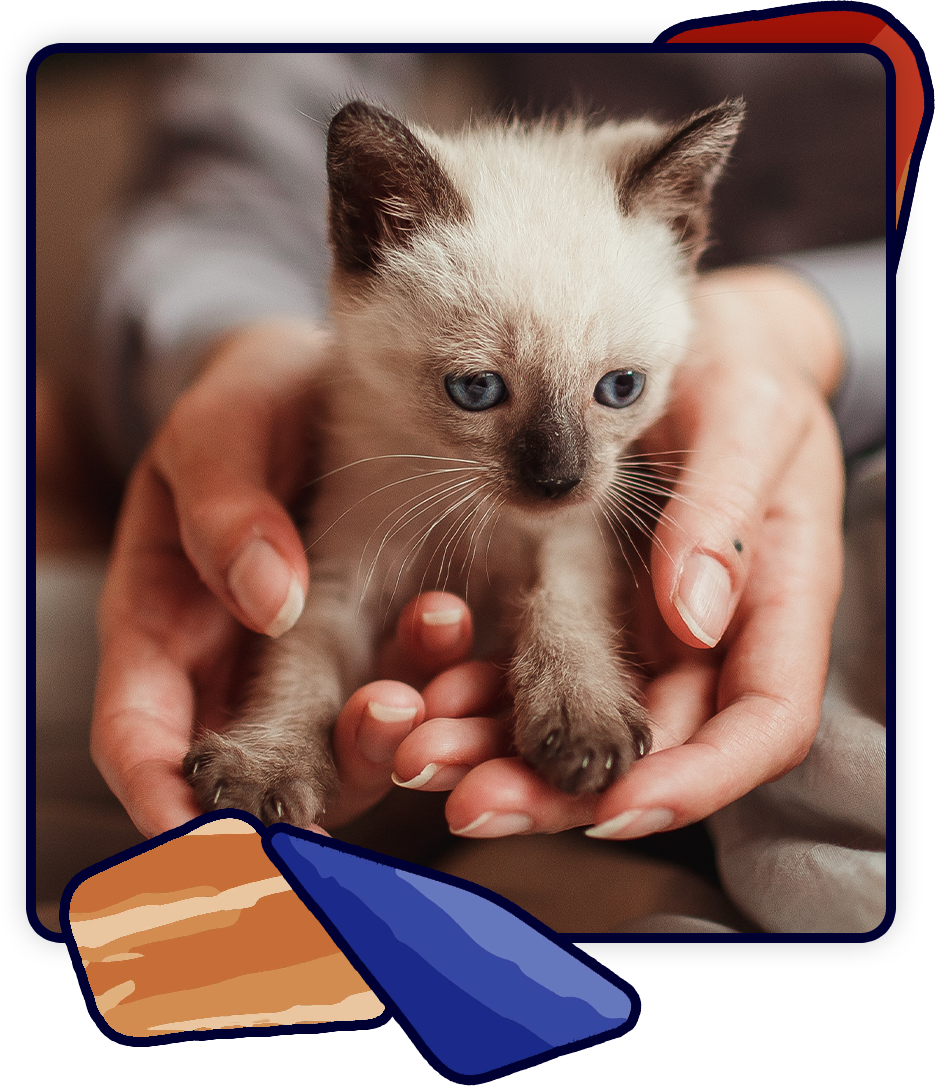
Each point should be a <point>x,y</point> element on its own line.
<point>519,295</point>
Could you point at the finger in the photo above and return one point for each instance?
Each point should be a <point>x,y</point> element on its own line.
<point>751,742</point>
<point>772,678</point>
<point>504,797</point>
<point>159,629</point>
<point>434,632</point>
<point>372,724</point>
<point>233,449</point>
<point>681,699</point>
<point>140,732</point>
<point>474,688</point>
<point>435,757</point>
<point>235,532</point>
<point>742,427</point>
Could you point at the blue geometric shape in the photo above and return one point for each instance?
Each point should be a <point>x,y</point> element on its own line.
<point>481,988</point>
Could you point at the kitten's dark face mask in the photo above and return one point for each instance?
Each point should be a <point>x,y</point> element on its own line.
<point>551,454</point>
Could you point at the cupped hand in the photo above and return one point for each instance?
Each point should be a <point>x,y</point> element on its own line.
<point>745,567</point>
<point>205,550</point>
<point>746,570</point>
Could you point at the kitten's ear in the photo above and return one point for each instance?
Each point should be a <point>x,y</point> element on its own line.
<point>384,186</point>
<point>672,176</point>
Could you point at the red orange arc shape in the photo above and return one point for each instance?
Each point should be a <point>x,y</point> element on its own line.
<point>843,24</point>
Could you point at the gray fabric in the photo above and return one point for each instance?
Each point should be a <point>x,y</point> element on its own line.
<point>670,924</point>
<point>806,853</point>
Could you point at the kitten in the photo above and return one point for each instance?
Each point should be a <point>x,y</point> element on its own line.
<point>509,306</point>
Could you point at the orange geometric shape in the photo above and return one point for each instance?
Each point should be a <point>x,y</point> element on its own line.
<point>202,933</point>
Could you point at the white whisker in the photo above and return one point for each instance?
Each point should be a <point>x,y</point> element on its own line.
<point>418,540</point>
<point>449,534</point>
<point>610,515</point>
<point>380,490</point>
<point>406,513</point>
<point>426,504</point>
<point>395,456</point>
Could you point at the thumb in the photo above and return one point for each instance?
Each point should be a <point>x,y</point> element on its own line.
<point>742,429</point>
<point>232,452</point>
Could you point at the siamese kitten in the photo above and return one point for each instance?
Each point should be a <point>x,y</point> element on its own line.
<point>509,306</point>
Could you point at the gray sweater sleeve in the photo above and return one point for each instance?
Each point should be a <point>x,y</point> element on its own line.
<point>853,279</point>
<point>230,225</point>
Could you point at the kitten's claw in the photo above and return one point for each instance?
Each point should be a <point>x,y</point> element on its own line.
<point>576,754</point>
<point>230,770</point>
<point>642,739</point>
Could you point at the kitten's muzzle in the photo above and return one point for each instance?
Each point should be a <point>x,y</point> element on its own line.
<point>552,457</point>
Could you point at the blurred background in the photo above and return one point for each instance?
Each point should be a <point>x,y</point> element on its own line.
<point>809,171</point>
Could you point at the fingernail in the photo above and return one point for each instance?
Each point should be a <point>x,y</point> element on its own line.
<point>495,824</point>
<point>422,778</point>
<point>262,584</point>
<point>441,629</point>
<point>451,617</point>
<point>390,714</point>
<point>375,744</point>
<point>636,823</point>
<point>702,597</point>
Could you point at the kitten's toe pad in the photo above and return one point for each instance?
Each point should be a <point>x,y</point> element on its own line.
<point>225,772</point>
<point>578,758</point>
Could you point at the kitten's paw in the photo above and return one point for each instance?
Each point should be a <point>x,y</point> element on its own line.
<point>275,785</point>
<point>581,749</point>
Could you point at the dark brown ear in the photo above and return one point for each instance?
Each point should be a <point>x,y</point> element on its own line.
<point>384,186</point>
<point>672,177</point>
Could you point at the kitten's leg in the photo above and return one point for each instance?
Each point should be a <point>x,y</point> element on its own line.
<point>577,719</point>
<point>275,761</point>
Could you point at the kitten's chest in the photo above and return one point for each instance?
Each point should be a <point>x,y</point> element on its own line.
<point>388,522</point>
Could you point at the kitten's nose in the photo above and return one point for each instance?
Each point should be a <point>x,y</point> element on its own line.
<point>551,457</point>
<point>556,488</point>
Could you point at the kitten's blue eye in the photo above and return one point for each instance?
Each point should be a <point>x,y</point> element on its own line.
<point>476,391</point>
<point>619,388</point>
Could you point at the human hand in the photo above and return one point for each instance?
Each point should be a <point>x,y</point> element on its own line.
<point>206,550</point>
<point>746,568</point>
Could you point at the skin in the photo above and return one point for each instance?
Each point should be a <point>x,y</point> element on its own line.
<point>735,697</point>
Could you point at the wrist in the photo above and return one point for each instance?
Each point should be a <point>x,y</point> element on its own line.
<point>784,311</point>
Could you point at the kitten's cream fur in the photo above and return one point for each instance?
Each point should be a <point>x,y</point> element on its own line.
<point>551,255</point>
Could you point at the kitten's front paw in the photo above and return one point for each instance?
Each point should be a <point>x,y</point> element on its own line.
<point>578,745</point>
<point>274,784</point>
